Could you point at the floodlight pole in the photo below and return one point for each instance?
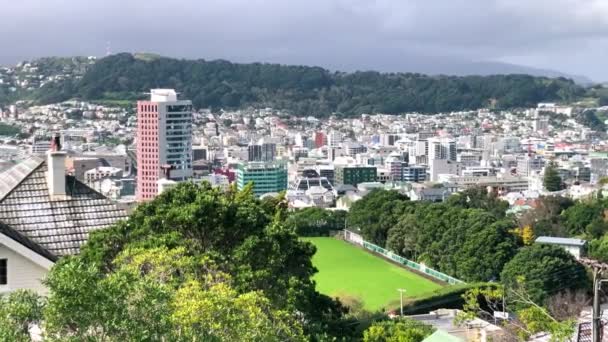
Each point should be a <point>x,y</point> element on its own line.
<point>401,297</point>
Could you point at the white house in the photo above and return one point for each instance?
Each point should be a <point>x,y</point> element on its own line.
<point>45,215</point>
<point>575,247</point>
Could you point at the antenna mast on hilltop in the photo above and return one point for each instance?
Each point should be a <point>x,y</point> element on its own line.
<point>108,48</point>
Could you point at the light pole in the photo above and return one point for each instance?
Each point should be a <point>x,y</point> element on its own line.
<point>401,297</point>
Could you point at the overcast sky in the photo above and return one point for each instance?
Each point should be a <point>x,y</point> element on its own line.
<point>566,35</point>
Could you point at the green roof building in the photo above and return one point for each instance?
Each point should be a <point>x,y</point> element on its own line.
<point>354,175</point>
<point>267,177</point>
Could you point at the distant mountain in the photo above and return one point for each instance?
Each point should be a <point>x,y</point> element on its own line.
<point>300,89</point>
<point>432,65</point>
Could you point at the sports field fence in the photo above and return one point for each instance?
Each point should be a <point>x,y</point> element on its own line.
<point>421,268</point>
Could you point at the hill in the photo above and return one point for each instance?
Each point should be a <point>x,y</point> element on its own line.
<point>304,90</point>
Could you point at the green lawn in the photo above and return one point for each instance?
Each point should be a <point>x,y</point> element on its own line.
<point>345,270</point>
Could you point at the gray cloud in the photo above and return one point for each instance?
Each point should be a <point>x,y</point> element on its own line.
<point>567,35</point>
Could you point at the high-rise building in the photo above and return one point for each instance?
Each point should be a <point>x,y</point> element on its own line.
<point>164,140</point>
<point>267,177</point>
<point>335,138</point>
<point>442,148</point>
<point>262,152</point>
<point>527,165</point>
<point>320,139</point>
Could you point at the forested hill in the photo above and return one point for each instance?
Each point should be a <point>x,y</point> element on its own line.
<point>307,90</point>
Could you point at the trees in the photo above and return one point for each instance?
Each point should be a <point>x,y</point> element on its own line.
<point>480,198</point>
<point>397,330</point>
<point>316,221</point>
<point>306,90</point>
<point>598,249</point>
<point>469,244</point>
<point>376,213</point>
<point>557,316</point>
<point>192,251</point>
<point>159,294</point>
<point>544,270</point>
<point>19,311</point>
<point>579,216</point>
<point>551,180</point>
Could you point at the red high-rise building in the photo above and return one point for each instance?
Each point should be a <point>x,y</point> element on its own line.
<point>320,139</point>
<point>164,140</point>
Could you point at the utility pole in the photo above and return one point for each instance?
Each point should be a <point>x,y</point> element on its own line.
<point>401,296</point>
<point>596,320</point>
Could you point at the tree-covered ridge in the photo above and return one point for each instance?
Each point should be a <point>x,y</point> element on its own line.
<point>308,90</point>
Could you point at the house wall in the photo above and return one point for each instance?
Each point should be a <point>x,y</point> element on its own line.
<point>22,273</point>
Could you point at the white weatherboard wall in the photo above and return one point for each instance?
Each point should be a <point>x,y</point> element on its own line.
<point>22,273</point>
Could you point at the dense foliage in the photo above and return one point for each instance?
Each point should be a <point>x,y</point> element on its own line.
<point>307,90</point>
<point>194,264</point>
<point>467,237</point>
<point>544,270</point>
<point>551,179</point>
<point>398,330</point>
<point>590,119</point>
<point>316,221</point>
<point>376,213</point>
<point>8,130</point>
<point>19,311</point>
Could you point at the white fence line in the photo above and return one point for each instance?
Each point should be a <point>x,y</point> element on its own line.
<point>358,239</point>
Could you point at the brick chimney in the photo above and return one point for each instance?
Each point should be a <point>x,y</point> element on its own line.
<point>56,170</point>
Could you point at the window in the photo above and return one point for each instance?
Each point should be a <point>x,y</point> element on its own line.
<point>3,272</point>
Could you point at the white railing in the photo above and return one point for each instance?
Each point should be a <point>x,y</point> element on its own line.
<point>358,240</point>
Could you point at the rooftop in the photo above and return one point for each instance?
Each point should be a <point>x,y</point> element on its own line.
<point>57,226</point>
<point>560,241</point>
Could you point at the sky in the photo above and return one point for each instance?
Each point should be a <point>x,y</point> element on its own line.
<point>388,35</point>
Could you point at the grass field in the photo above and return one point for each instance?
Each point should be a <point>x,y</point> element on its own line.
<point>345,270</point>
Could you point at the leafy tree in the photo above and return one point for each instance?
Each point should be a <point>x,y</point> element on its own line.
<point>397,330</point>
<point>479,198</point>
<point>597,228</point>
<point>544,270</point>
<point>469,244</point>
<point>579,216</point>
<point>166,296</point>
<point>527,235</point>
<point>598,249</point>
<point>545,219</point>
<point>551,180</point>
<point>530,318</point>
<point>316,221</point>
<point>194,242</point>
<point>376,213</point>
<point>19,311</point>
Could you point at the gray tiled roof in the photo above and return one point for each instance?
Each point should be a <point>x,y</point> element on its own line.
<point>560,241</point>
<point>58,226</point>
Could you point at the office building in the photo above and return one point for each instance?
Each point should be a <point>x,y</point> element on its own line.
<point>442,148</point>
<point>414,173</point>
<point>262,152</point>
<point>353,175</point>
<point>267,177</point>
<point>527,165</point>
<point>164,139</point>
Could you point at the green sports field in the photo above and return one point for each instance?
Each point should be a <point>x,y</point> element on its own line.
<point>345,270</point>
